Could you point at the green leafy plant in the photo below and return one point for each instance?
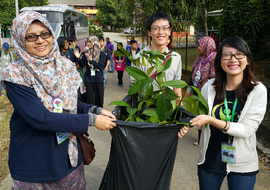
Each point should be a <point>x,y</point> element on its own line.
<point>158,106</point>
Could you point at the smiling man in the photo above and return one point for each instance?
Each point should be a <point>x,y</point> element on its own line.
<point>159,26</point>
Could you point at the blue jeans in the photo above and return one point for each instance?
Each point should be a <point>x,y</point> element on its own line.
<point>105,76</point>
<point>111,67</point>
<point>1,87</point>
<point>213,181</point>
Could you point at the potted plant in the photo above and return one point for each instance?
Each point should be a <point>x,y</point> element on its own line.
<point>144,143</point>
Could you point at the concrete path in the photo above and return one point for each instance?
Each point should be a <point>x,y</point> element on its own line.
<point>185,169</point>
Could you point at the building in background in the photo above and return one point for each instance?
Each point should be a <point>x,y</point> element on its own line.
<point>86,6</point>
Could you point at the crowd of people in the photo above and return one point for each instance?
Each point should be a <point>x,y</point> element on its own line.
<point>44,151</point>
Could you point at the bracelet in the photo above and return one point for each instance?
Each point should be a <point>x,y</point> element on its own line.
<point>224,128</point>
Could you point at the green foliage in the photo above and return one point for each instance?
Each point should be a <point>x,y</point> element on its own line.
<point>248,19</point>
<point>8,10</point>
<point>158,106</point>
<point>95,30</point>
<point>113,13</point>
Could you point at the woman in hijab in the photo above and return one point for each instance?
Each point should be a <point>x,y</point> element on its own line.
<point>95,62</point>
<point>42,87</point>
<point>203,67</point>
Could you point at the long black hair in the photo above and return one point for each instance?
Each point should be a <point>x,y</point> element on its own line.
<point>249,80</point>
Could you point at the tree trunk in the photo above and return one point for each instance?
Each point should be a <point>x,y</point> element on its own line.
<point>205,21</point>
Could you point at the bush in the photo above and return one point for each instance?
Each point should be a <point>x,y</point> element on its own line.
<point>95,30</point>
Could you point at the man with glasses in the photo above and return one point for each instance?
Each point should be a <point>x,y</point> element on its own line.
<point>158,27</point>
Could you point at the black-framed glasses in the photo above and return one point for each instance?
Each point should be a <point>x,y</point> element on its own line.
<point>227,56</point>
<point>34,37</point>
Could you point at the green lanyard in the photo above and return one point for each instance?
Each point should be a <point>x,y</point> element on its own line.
<point>227,109</point>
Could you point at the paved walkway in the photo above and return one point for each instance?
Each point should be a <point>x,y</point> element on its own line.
<point>185,169</point>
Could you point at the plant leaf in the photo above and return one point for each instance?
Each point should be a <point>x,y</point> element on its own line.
<point>175,83</point>
<point>120,103</point>
<point>131,111</point>
<point>150,70</point>
<point>144,83</point>
<point>150,112</point>
<point>144,61</point>
<point>163,106</point>
<point>167,64</point>
<point>136,73</point>
<point>139,119</point>
<point>202,100</point>
<point>170,94</point>
<point>134,88</point>
<point>154,119</point>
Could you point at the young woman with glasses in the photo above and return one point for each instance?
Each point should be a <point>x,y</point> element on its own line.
<point>43,87</point>
<point>237,104</point>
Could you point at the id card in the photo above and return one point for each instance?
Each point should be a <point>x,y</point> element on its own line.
<point>93,72</point>
<point>227,153</point>
<point>61,137</point>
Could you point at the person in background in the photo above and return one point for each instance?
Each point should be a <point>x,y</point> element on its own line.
<point>128,47</point>
<point>119,64</point>
<point>6,57</point>
<point>72,42</point>
<point>42,86</point>
<point>237,104</point>
<point>133,50</point>
<point>66,51</point>
<point>137,44</point>
<point>202,68</point>
<point>110,47</point>
<point>77,57</point>
<point>94,61</point>
<point>108,57</point>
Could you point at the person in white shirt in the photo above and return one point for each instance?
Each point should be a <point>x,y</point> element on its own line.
<point>237,104</point>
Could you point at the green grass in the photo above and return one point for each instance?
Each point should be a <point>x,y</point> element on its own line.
<point>6,110</point>
<point>192,53</point>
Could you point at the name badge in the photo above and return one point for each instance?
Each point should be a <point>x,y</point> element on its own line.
<point>58,108</point>
<point>227,153</point>
<point>93,72</point>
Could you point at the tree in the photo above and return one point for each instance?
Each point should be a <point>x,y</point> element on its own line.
<point>112,13</point>
<point>248,19</point>
<point>8,10</point>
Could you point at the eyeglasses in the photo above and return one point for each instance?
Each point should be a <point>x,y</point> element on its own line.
<point>33,37</point>
<point>158,28</point>
<point>227,56</point>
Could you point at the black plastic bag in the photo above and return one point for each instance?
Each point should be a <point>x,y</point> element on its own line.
<point>142,154</point>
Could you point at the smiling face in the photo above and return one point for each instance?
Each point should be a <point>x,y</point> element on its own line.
<point>160,32</point>
<point>40,47</point>
<point>233,67</point>
<point>89,44</point>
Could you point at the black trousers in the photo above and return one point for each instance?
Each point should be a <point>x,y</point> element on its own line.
<point>94,93</point>
<point>120,76</point>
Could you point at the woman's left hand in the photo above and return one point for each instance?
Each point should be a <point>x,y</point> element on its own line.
<point>108,114</point>
<point>183,131</point>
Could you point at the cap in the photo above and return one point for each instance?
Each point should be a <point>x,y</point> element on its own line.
<point>5,45</point>
<point>128,40</point>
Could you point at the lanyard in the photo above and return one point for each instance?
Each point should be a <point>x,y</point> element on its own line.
<point>227,109</point>
<point>205,61</point>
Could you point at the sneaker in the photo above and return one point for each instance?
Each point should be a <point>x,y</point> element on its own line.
<point>121,85</point>
<point>196,143</point>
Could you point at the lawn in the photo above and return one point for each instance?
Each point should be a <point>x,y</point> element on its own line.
<point>6,110</point>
